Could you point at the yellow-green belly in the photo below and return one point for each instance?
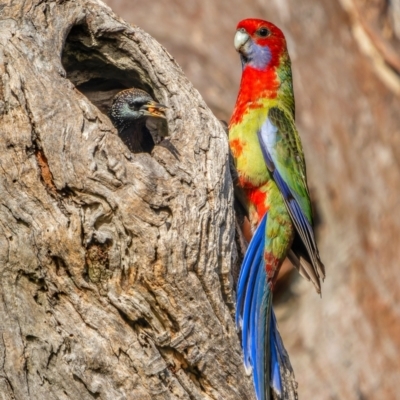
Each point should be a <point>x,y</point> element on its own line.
<point>246,149</point>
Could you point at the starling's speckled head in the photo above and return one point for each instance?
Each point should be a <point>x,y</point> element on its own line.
<point>132,104</point>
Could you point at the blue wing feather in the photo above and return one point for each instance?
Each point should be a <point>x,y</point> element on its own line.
<point>299,219</point>
<point>268,136</point>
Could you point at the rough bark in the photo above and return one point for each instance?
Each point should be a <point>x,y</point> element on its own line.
<point>114,268</point>
<point>347,344</point>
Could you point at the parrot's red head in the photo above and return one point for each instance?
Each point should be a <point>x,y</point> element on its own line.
<point>263,52</point>
<point>260,43</point>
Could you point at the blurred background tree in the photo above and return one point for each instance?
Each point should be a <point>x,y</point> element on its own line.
<point>346,65</point>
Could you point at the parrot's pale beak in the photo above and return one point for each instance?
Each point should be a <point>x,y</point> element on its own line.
<point>153,109</point>
<point>241,38</point>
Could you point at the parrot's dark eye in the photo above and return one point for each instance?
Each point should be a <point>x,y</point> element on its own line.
<point>263,32</point>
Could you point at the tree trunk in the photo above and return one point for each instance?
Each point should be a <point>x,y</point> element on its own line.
<point>345,61</point>
<point>115,268</point>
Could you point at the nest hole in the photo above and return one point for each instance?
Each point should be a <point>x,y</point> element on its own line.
<point>96,75</point>
<point>99,69</point>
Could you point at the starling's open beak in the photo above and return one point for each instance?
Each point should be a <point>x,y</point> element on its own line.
<point>153,109</point>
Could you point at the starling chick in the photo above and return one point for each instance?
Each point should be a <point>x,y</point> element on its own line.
<point>136,115</point>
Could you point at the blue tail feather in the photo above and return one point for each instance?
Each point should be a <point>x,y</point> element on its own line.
<point>256,244</point>
<point>276,349</point>
<point>263,349</point>
<point>258,334</point>
<point>250,307</point>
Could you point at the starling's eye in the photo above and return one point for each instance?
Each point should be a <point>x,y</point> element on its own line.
<point>134,105</point>
<point>263,32</point>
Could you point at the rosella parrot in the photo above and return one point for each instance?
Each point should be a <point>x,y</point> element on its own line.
<point>271,171</point>
<point>135,115</point>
